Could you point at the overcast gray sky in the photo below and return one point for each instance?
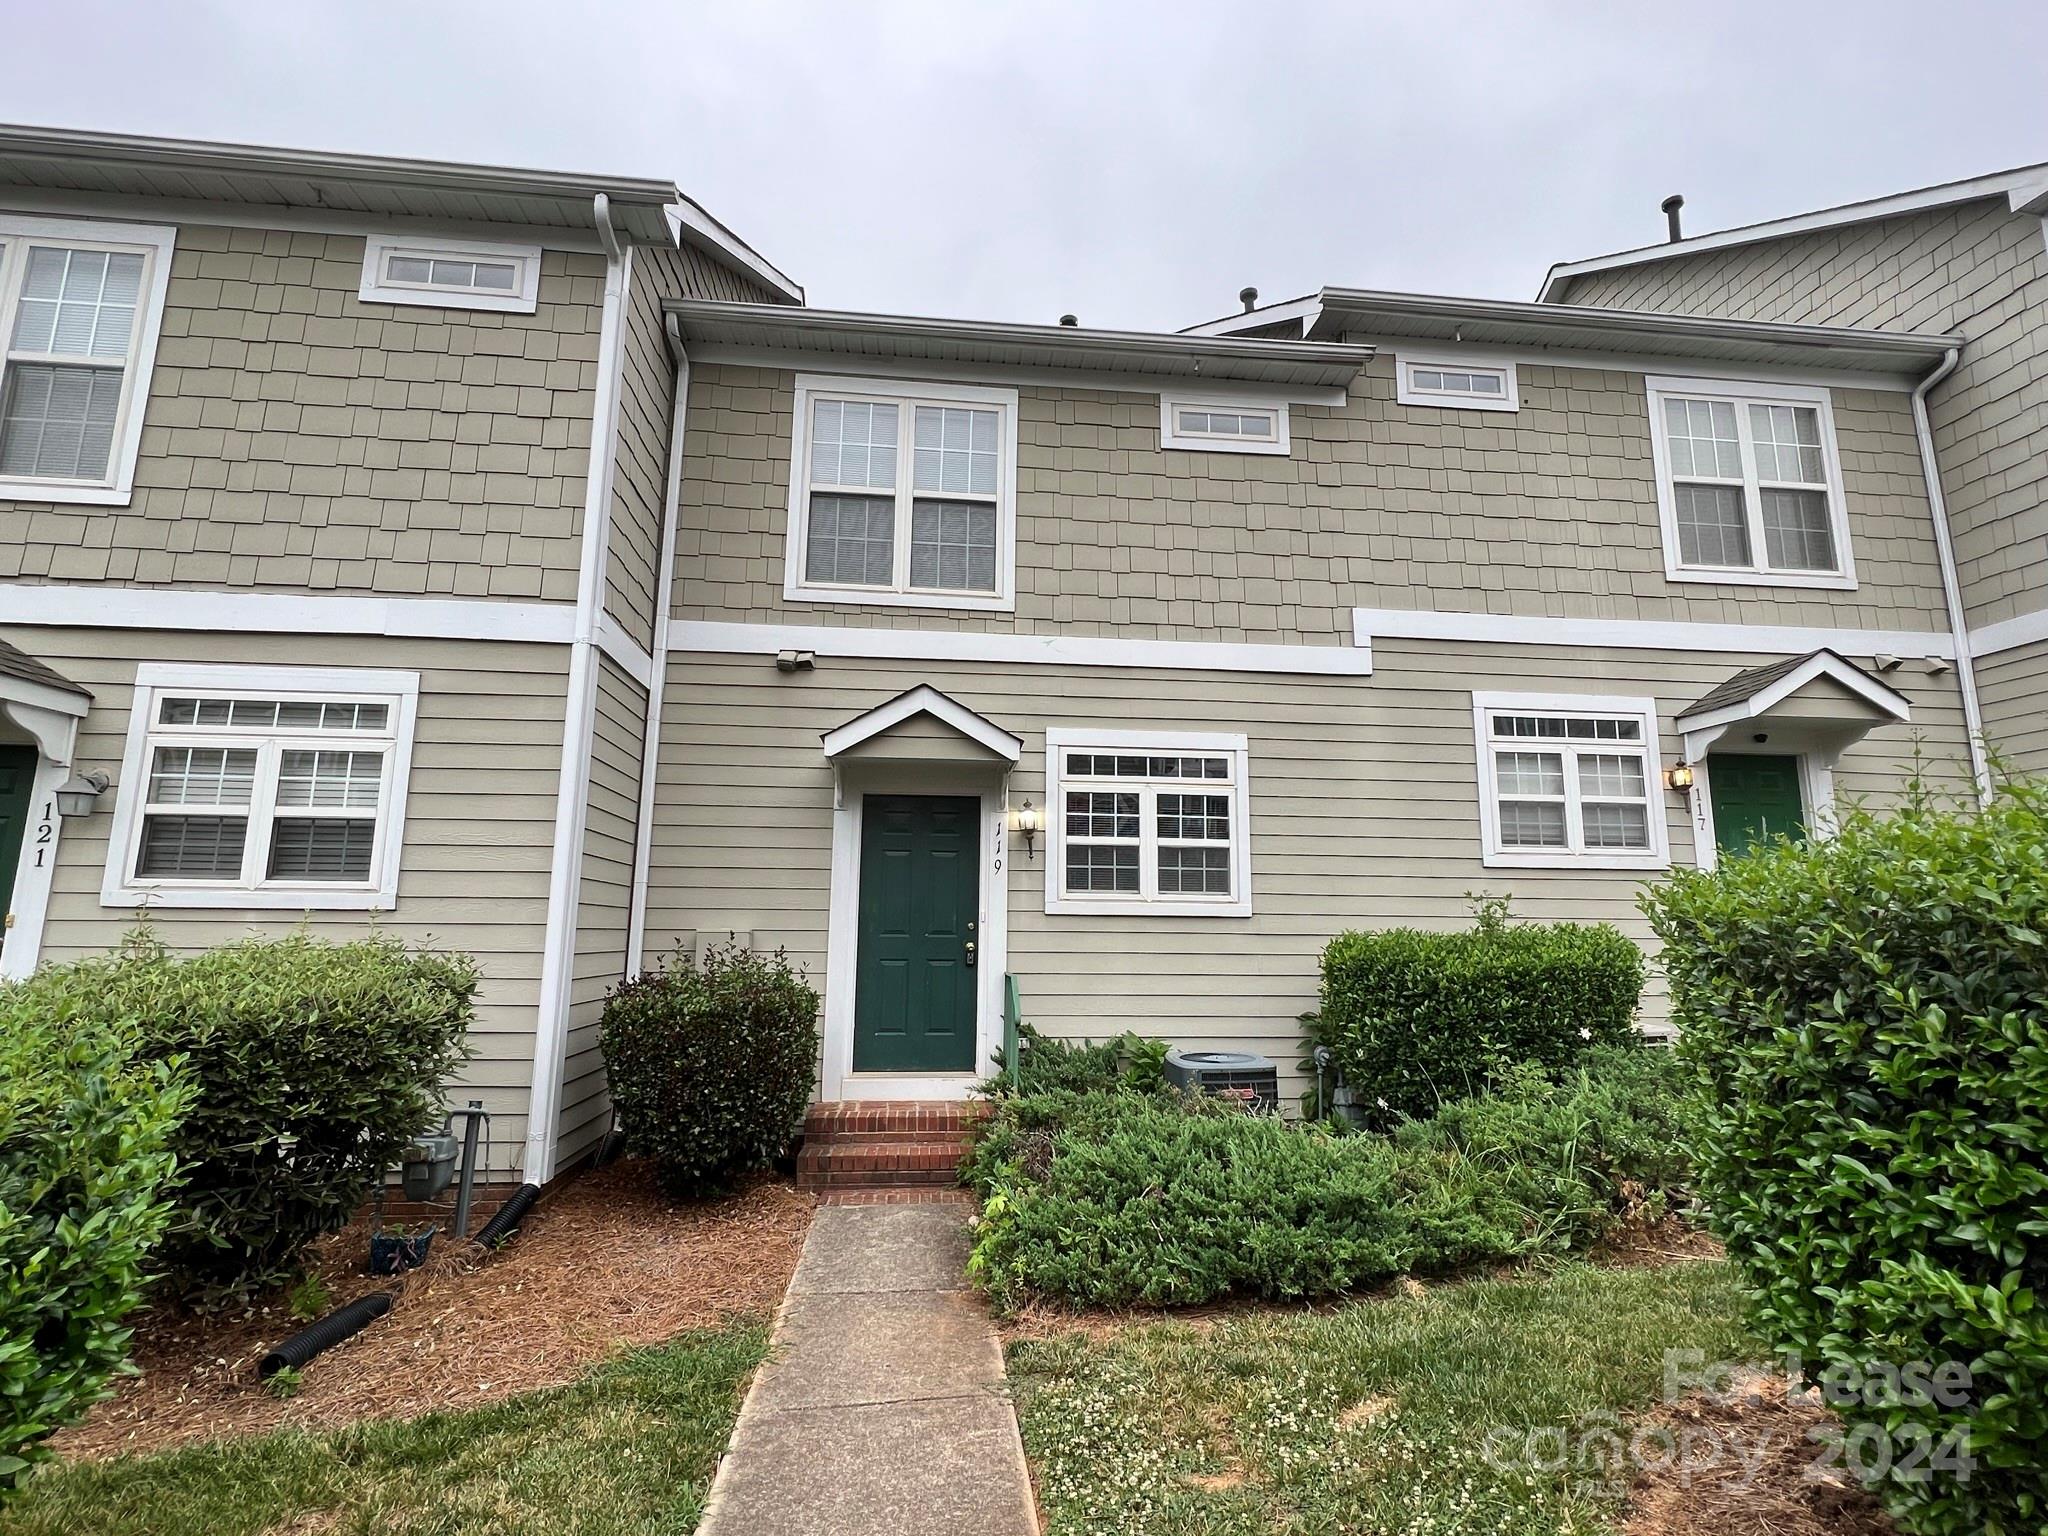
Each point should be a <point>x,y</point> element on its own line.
<point>1136,163</point>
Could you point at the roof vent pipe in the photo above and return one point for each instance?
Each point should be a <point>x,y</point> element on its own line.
<point>1249,298</point>
<point>1671,205</point>
<point>1069,320</point>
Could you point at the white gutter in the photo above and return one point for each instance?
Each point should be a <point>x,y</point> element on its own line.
<point>650,741</point>
<point>579,724</point>
<point>1951,584</point>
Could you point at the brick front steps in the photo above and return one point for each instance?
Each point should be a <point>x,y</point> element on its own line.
<point>878,1145</point>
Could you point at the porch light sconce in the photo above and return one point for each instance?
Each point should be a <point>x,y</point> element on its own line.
<point>1679,776</point>
<point>1027,827</point>
<point>80,794</point>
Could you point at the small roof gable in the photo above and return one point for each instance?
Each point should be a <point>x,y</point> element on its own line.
<point>924,700</point>
<point>24,668</point>
<point>1756,689</point>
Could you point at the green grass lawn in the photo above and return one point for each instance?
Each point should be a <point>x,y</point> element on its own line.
<point>1367,1421</point>
<point>627,1451</point>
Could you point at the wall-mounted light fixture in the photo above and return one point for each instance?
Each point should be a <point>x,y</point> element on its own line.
<point>80,794</point>
<point>1027,827</point>
<point>1679,776</point>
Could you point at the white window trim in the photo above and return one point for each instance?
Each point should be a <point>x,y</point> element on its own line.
<point>1406,393</point>
<point>156,242</point>
<point>905,393</point>
<point>1061,740</point>
<point>154,679</point>
<point>1170,436</point>
<point>1495,856</point>
<point>1657,388</point>
<point>376,289</point>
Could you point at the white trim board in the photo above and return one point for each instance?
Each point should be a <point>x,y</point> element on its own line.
<point>626,653</point>
<point>103,605</point>
<point>2010,634</point>
<point>825,641</point>
<point>1371,624</point>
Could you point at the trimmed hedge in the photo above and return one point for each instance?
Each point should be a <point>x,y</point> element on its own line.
<point>1119,1198</point>
<point>313,1063</point>
<point>1416,1019</point>
<point>1868,1015</point>
<point>86,1121</point>
<point>711,1069</point>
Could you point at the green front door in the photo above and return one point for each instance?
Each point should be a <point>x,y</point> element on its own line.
<point>913,998</point>
<point>17,781</point>
<point>1755,798</point>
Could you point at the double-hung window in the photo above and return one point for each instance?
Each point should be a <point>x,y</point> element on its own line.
<point>80,307</point>
<point>902,493</point>
<point>1147,822</point>
<point>263,787</point>
<point>1748,484</point>
<point>1568,781</point>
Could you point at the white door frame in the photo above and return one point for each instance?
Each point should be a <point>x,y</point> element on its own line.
<point>50,719</point>
<point>840,1081</point>
<point>1816,792</point>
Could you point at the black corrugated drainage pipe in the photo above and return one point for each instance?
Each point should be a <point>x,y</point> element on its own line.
<point>499,1229</point>
<point>324,1333</point>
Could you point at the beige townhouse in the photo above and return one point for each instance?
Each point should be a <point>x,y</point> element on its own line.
<point>331,527</point>
<point>1965,258</point>
<point>1128,668</point>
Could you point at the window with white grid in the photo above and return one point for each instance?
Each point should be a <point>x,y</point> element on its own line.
<point>1567,781</point>
<point>1457,380</point>
<point>263,786</point>
<point>80,304</point>
<point>901,494</point>
<point>1748,484</point>
<point>451,274</point>
<point>1145,822</point>
<point>1223,424</point>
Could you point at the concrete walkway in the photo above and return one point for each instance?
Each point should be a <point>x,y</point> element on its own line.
<point>882,1410</point>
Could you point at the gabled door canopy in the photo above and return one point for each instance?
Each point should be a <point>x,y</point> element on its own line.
<point>1819,702</point>
<point>924,699</point>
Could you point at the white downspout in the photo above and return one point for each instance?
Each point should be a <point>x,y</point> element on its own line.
<point>579,725</point>
<point>1951,584</point>
<point>650,742</point>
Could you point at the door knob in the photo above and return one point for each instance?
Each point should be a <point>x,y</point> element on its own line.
<point>970,954</point>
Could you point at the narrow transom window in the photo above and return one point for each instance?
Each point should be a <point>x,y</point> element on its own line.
<point>1748,484</point>
<point>79,309</point>
<point>451,274</point>
<point>902,497</point>
<point>1223,425</point>
<point>263,787</point>
<point>1144,822</point>
<point>1569,781</point>
<point>1460,383</point>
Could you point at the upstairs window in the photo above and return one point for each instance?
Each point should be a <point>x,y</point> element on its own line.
<point>1145,822</point>
<point>1223,425</point>
<point>1748,485</point>
<point>1460,382</point>
<point>451,274</point>
<point>263,787</point>
<point>902,494</point>
<point>1569,782</point>
<point>80,307</point>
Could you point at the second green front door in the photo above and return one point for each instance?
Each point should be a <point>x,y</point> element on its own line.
<point>1755,798</point>
<point>914,978</point>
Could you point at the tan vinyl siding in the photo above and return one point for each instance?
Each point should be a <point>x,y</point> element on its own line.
<point>640,476</point>
<point>1977,270</point>
<point>2011,687</point>
<point>1548,512</point>
<point>1364,812</point>
<point>602,907</point>
<point>479,833</point>
<point>299,439</point>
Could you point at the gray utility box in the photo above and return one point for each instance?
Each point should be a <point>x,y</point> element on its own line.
<point>1250,1079</point>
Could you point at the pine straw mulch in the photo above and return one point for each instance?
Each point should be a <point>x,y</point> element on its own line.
<point>604,1262</point>
<point>1754,1469</point>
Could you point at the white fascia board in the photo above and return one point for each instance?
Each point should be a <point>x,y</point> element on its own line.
<point>83,606</point>
<point>708,231</point>
<point>738,639</point>
<point>924,700</point>
<point>1303,309</point>
<point>1369,624</point>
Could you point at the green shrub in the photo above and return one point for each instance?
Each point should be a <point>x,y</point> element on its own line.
<point>314,1064</point>
<point>711,1069</point>
<point>1119,1198</point>
<point>86,1118</point>
<point>1868,1016</point>
<point>1047,1064</point>
<point>1417,1019</point>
